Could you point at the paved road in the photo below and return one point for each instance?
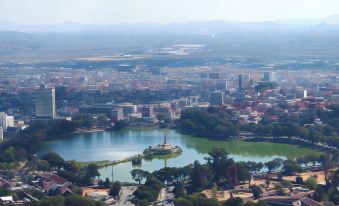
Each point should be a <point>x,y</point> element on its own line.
<point>126,192</point>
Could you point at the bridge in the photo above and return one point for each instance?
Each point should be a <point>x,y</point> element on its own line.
<point>127,159</point>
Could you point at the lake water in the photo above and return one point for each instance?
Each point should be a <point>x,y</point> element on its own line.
<point>121,144</point>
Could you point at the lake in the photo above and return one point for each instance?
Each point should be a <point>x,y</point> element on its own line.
<point>117,145</point>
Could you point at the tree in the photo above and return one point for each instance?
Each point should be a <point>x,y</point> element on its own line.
<point>311,183</point>
<point>54,159</point>
<point>290,166</point>
<point>72,166</point>
<point>273,164</point>
<point>76,200</point>
<point>299,180</point>
<point>92,171</point>
<point>107,182</point>
<point>138,175</point>
<point>243,172</point>
<point>9,153</point>
<point>319,193</point>
<point>219,162</point>
<point>279,189</point>
<point>182,202</point>
<point>115,190</point>
<point>201,175</point>
<point>179,190</point>
<point>237,201</point>
<point>42,165</point>
<point>286,184</point>
<point>52,201</point>
<point>256,190</point>
<point>120,125</point>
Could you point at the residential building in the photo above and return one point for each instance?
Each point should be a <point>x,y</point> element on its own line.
<point>45,103</point>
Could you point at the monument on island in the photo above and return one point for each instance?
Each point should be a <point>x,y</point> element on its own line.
<point>162,149</point>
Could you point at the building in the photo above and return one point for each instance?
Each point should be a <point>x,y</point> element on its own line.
<point>270,76</point>
<point>147,112</point>
<point>244,81</point>
<point>6,120</point>
<point>45,103</point>
<point>9,121</point>
<point>1,133</point>
<point>3,120</point>
<point>117,114</point>
<point>61,93</point>
<point>217,98</point>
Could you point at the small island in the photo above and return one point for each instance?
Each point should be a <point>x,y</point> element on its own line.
<point>163,149</point>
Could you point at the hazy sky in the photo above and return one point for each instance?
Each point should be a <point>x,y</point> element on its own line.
<point>163,11</point>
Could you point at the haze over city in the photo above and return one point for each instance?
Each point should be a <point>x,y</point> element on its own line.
<point>169,102</point>
<point>162,11</point>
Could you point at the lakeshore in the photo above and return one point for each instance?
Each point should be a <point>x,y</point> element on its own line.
<point>107,146</point>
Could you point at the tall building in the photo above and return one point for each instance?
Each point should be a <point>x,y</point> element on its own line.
<point>244,81</point>
<point>217,98</point>
<point>6,121</point>
<point>45,103</point>
<point>270,76</point>
<point>1,134</point>
<point>3,120</point>
<point>61,93</point>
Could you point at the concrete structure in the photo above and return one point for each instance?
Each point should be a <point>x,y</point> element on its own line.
<point>244,81</point>
<point>147,112</point>
<point>45,103</point>
<point>6,120</point>
<point>3,120</point>
<point>270,76</point>
<point>9,121</point>
<point>217,98</point>
<point>1,133</point>
<point>117,114</point>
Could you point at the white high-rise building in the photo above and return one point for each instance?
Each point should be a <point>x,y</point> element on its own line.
<point>45,103</point>
<point>9,121</point>
<point>3,120</point>
<point>1,134</point>
<point>6,121</point>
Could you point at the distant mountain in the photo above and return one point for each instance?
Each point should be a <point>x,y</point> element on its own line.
<point>333,20</point>
<point>207,27</point>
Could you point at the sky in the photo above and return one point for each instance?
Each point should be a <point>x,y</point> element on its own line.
<point>161,11</point>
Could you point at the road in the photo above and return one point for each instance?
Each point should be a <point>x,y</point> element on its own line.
<point>125,196</point>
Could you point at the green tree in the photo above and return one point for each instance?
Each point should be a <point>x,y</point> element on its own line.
<point>138,175</point>
<point>273,164</point>
<point>115,190</point>
<point>179,190</point>
<point>42,165</point>
<point>219,162</point>
<point>76,200</point>
<point>279,189</point>
<point>92,171</point>
<point>52,201</point>
<point>311,183</point>
<point>54,159</point>
<point>256,190</point>
<point>290,166</point>
<point>182,202</point>
<point>237,201</point>
<point>201,175</point>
